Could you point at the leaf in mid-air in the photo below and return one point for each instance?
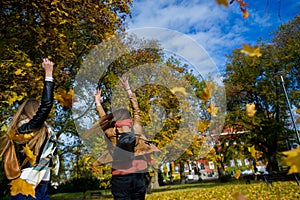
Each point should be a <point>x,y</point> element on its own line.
<point>251,51</point>
<point>222,2</point>
<point>237,174</point>
<point>245,12</point>
<point>252,151</point>
<point>250,109</point>
<point>205,96</point>
<point>203,125</point>
<point>65,98</point>
<point>212,109</point>
<point>292,159</point>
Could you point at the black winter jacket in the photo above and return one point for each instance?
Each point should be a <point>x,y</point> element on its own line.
<point>41,115</point>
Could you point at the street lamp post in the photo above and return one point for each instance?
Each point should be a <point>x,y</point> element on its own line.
<point>290,109</point>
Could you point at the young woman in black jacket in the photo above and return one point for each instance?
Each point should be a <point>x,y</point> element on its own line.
<point>29,145</point>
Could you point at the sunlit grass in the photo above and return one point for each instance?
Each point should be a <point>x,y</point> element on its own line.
<point>255,191</point>
<point>215,191</point>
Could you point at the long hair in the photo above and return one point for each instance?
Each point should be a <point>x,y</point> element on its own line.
<point>26,111</point>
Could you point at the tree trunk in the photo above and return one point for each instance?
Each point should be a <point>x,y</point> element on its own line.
<point>182,174</point>
<point>272,164</point>
<point>154,180</point>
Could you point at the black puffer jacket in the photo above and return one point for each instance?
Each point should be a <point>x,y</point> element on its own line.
<point>41,115</point>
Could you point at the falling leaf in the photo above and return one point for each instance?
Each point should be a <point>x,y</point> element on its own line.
<point>252,151</point>
<point>222,2</point>
<point>292,159</point>
<point>205,96</point>
<point>242,3</point>
<point>298,111</point>
<point>86,159</point>
<point>20,186</point>
<point>212,109</point>
<point>298,121</point>
<point>239,196</point>
<point>203,125</point>
<point>237,174</point>
<point>250,109</point>
<point>30,155</point>
<point>251,51</point>
<point>245,12</point>
<point>179,89</point>
<point>65,98</point>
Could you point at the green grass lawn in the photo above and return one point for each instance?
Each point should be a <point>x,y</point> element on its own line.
<point>223,191</point>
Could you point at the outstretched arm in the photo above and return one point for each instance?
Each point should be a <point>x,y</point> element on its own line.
<point>137,121</point>
<point>99,107</point>
<point>46,104</point>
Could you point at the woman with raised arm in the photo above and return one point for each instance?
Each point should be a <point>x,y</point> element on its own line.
<point>29,145</point>
<point>128,149</point>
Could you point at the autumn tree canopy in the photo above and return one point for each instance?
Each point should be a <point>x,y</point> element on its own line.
<point>63,31</point>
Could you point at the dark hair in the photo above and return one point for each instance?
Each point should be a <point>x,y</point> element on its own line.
<point>121,114</point>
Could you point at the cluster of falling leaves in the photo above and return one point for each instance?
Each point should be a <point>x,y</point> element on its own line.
<point>243,6</point>
<point>247,49</point>
<point>205,96</point>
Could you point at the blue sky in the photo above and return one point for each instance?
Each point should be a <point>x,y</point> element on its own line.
<point>216,28</point>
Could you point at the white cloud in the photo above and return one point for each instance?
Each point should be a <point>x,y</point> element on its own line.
<point>216,28</point>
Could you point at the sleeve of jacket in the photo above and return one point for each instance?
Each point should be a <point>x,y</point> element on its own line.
<point>41,115</point>
<point>137,120</point>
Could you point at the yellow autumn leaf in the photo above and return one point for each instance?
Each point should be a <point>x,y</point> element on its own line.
<point>251,51</point>
<point>206,94</point>
<point>212,109</point>
<point>86,159</point>
<point>23,137</point>
<point>252,151</point>
<point>239,196</point>
<point>179,89</point>
<point>4,128</point>
<point>20,186</point>
<point>298,121</point>
<point>250,109</point>
<point>245,12</point>
<point>18,72</point>
<point>14,97</point>
<point>203,125</point>
<point>237,174</point>
<point>223,2</point>
<point>28,64</point>
<point>298,111</point>
<point>65,98</point>
<point>292,159</point>
<point>30,155</point>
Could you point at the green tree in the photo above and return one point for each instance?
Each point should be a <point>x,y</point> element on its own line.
<point>257,80</point>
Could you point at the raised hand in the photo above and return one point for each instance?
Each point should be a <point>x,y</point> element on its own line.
<point>98,97</point>
<point>48,67</point>
<point>124,82</point>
